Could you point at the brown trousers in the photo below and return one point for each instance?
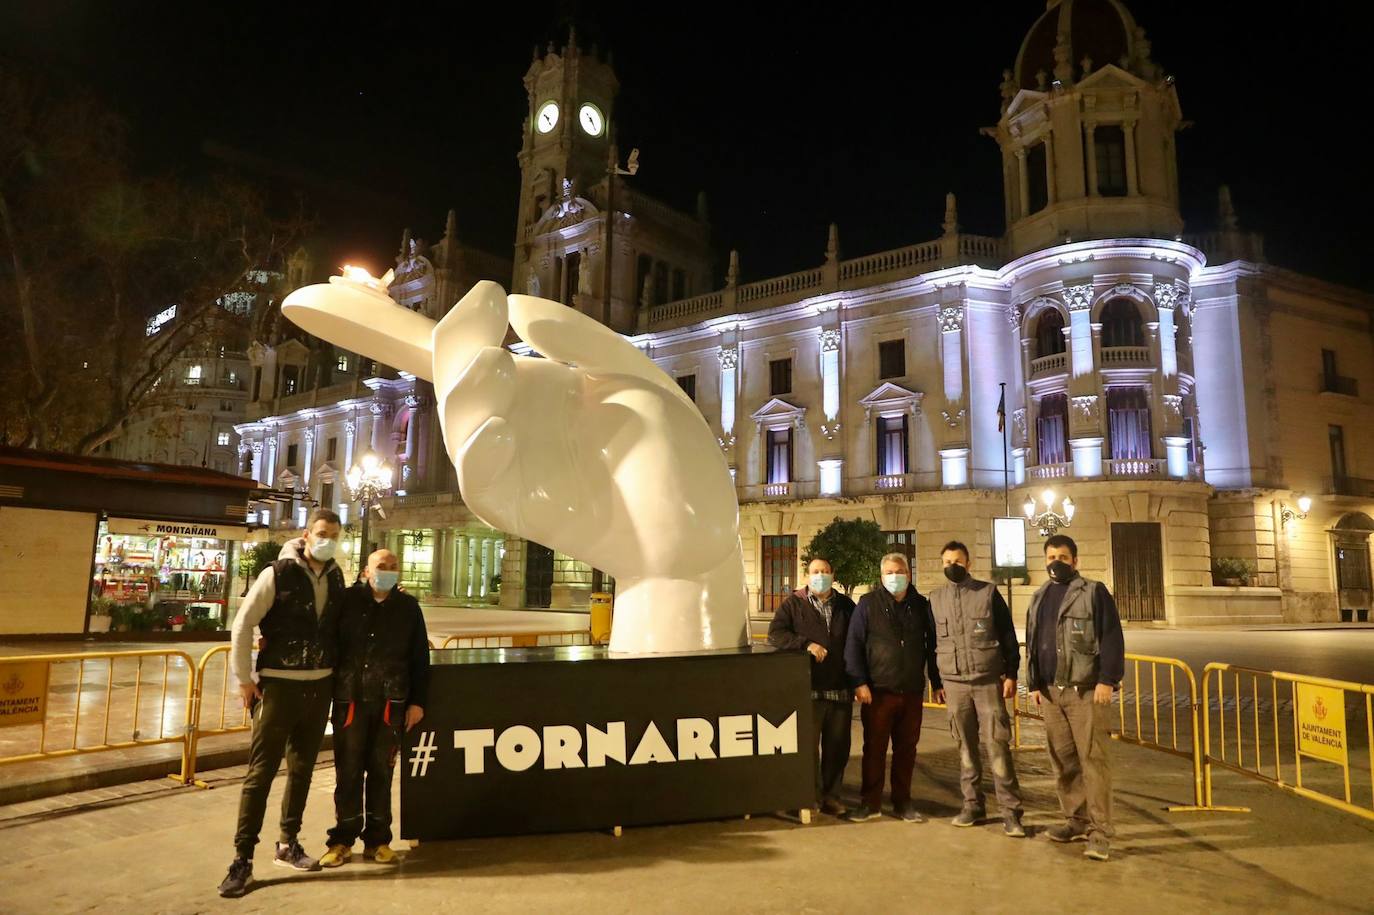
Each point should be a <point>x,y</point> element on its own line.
<point>896,718</point>
<point>978,715</point>
<point>1076,730</point>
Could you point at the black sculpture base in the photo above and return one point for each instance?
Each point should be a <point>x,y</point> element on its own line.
<point>562,739</point>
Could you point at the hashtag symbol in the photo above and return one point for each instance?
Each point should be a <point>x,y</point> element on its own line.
<point>422,754</point>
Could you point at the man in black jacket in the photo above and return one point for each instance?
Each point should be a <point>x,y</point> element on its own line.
<point>381,687</point>
<point>889,652</point>
<point>815,619</point>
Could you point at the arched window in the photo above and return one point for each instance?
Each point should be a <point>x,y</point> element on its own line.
<point>1049,333</point>
<point>1121,324</point>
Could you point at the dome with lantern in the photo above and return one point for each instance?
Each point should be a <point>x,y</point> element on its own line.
<point>1073,37</point>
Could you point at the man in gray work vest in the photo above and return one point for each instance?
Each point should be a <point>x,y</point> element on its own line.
<point>975,644</point>
<point>1076,657</point>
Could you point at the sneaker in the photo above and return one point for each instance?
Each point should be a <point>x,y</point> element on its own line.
<point>1067,833</point>
<point>969,816</point>
<point>294,857</point>
<point>382,854</point>
<point>832,807</point>
<point>1011,825</point>
<point>1098,848</point>
<point>236,882</point>
<point>909,813</point>
<point>337,856</point>
<point>862,814</point>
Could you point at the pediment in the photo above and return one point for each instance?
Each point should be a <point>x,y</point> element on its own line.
<point>1026,98</point>
<point>1110,76</point>
<point>564,213</point>
<point>293,352</point>
<point>888,397</point>
<point>778,411</point>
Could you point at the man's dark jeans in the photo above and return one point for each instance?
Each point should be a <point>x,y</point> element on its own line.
<point>289,721</point>
<point>833,721</point>
<point>365,747</point>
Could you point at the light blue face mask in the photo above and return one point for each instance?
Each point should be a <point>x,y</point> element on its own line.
<point>820,582</point>
<point>384,580</point>
<point>895,583</point>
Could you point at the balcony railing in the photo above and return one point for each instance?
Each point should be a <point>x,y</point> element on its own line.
<point>1339,384</point>
<point>1353,486</point>
<point>1125,355</point>
<point>892,482</point>
<point>1051,471</point>
<point>777,490</point>
<point>1137,468</point>
<point>1052,364</point>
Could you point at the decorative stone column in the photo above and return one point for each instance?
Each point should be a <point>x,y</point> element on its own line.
<point>954,456</point>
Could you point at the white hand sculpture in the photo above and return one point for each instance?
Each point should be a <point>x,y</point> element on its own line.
<point>592,451</point>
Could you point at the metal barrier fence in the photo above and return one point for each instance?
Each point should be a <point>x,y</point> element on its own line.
<point>109,701</point>
<point>224,702</point>
<point>519,639</point>
<point>1312,727</point>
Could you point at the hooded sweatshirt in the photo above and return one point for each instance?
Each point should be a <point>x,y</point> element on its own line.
<point>255,606</point>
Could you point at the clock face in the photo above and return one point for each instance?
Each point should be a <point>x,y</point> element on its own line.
<point>591,119</point>
<point>547,117</point>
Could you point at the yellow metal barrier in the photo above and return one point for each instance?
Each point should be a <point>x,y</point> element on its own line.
<point>1318,731</point>
<point>226,704</point>
<point>518,639</point>
<point>1147,731</point>
<point>67,674</point>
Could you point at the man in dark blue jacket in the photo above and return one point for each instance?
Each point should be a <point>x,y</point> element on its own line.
<point>381,686</point>
<point>889,653</point>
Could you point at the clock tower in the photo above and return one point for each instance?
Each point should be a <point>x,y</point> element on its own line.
<point>566,135</point>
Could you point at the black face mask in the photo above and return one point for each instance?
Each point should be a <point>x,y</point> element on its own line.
<point>1061,571</point>
<point>955,572</point>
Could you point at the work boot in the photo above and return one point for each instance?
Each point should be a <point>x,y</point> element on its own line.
<point>293,856</point>
<point>969,816</point>
<point>907,811</point>
<point>236,882</point>
<point>1067,833</point>
<point>862,814</point>
<point>1011,825</point>
<point>337,856</point>
<point>382,854</point>
<point>1099,849</point>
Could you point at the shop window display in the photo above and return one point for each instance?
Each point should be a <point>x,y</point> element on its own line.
<point>172,581</point>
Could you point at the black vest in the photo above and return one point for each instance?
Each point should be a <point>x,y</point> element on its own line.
<point>374,645</point>
<point>896,646</point>
<point>294,637</point>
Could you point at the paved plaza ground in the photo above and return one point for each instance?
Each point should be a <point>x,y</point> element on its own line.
<point>150,847</point>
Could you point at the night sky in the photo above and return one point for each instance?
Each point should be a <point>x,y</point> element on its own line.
<point>789,117</point>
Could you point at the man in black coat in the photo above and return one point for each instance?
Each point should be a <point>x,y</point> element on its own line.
<point>380,687</point>
<point>815,619</point>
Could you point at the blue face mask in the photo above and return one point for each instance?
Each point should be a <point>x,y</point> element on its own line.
<point>820,582</point>
<point>895,583</point>
<point>384,580</point>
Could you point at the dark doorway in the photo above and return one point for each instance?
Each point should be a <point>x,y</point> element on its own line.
<point>538,575</point>
<point>1138,570</point>
<point>779,571</point>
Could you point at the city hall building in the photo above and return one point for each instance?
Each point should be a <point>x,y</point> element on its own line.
<point>1188,396</point>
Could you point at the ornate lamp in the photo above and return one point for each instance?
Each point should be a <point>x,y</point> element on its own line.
<point>1049,521</point>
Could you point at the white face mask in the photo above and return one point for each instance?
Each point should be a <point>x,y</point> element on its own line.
<point>895,583</point>
<point>821,582</point>
<point>322,549</point>
<point>384,580</point>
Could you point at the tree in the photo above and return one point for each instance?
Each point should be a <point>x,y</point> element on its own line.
<point>89,250</point>
<point>854,549</point>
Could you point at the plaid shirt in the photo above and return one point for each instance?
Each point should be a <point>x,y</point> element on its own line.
<point>823,607</point>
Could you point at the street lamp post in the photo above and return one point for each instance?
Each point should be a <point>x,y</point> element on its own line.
<point>368,481</point>
<point>1049,521</point>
